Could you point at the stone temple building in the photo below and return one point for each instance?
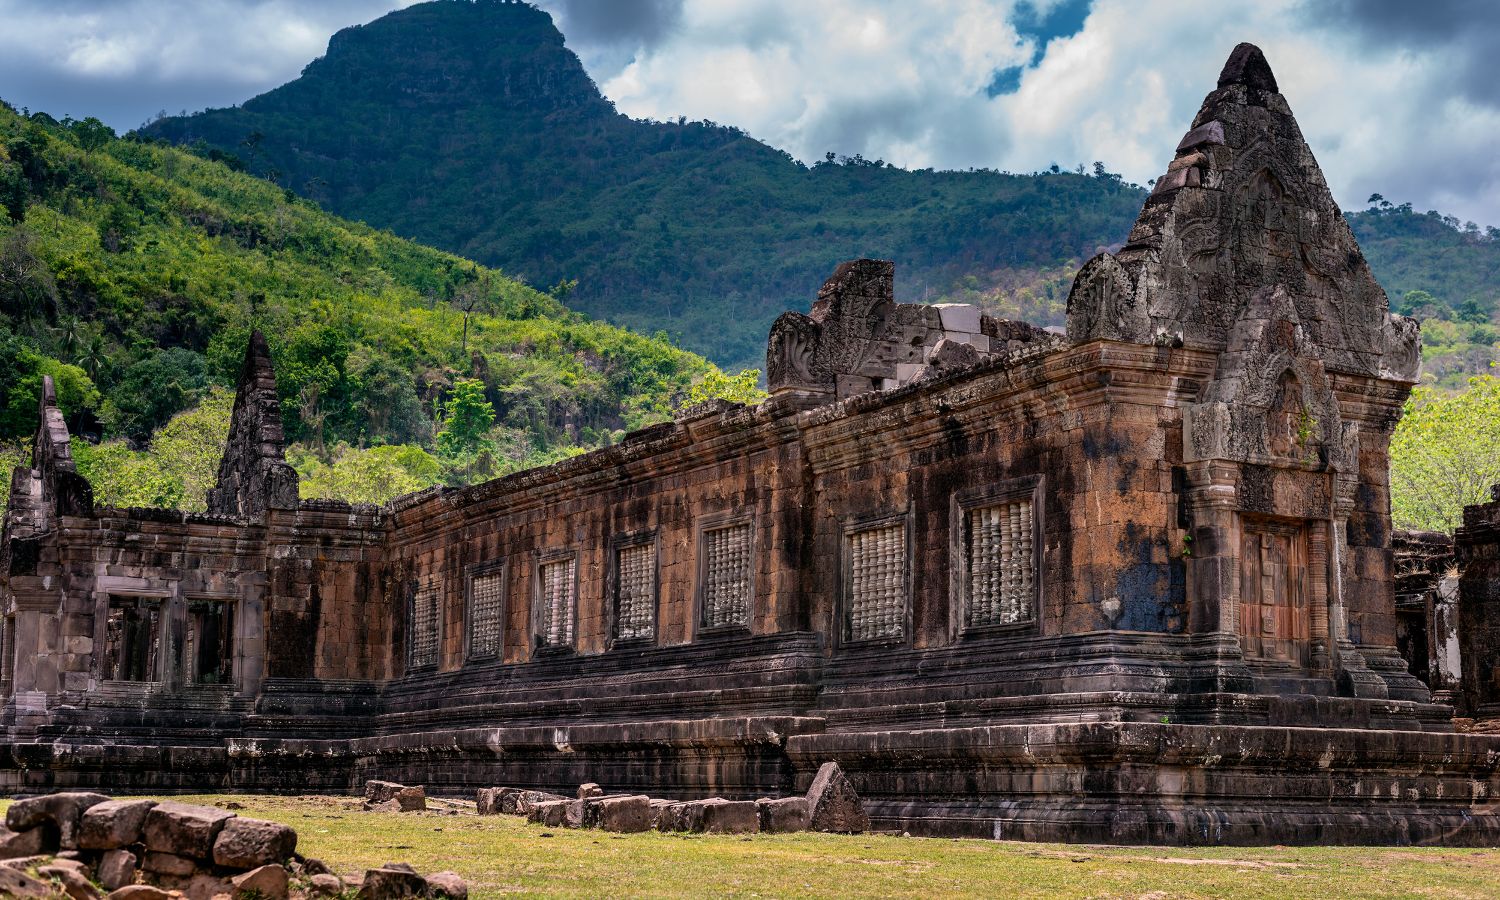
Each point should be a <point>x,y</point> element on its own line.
<point>1135,584</point>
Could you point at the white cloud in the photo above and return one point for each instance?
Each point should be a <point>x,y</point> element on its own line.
<point>905,82</point>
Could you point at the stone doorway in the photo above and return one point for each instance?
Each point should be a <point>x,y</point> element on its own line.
<point>1275,623</point>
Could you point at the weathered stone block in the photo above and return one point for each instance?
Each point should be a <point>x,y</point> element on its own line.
<point>589,789</point>
<point>248,843</point>
<point>117,868</point>
<point>390,883</point>
<point>381,791</point>
<point>32,841</point>
<point>835,805</point>
<point>75,884</point>
<point>61,811</point>
<point>183,829</point>
<point>728,817</point>
<point>447,884</point>
<point>268,882</point>
<point>549,812</point>
<point>626,815</point>
<point>162,863</point>
<point>411,799</point>
<point>114,823</point>
<point>784,814</point>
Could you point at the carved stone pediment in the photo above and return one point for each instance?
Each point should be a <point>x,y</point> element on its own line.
<point>1270,401</point>
<point>1103,304</point>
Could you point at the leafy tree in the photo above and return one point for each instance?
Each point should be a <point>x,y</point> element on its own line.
<point>741,388</point>
<point>375,475</point>
<point>467,418</point>
<point>175,470</point>
<point>1445,454</point>
<point>153,390</point>
<point>21,373</point>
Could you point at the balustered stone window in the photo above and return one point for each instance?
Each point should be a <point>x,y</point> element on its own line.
<point>424,625</point>
<point>726,575</point>
<point>486,610</point>
<point>1001,576</point>
<point>635,592</point>
<point>876,575</point>
<point>557,601</point>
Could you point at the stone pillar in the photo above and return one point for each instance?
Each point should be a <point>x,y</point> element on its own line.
<point>1477,550</point>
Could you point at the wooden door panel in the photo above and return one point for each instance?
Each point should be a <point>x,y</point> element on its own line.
<point>1273,596</point>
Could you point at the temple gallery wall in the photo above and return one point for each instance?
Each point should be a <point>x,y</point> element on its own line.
<point>1134,583</point>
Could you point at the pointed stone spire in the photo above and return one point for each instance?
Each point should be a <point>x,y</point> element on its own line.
<point>52,458</point>
<point>1243,208</point>
<point>253,473</point>
<point>1248,66</point>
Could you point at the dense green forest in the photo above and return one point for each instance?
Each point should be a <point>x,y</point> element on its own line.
<point>133,274</point>
<point>470,126</point>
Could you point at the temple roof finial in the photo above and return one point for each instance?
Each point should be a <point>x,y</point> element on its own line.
<point>1248,66</point>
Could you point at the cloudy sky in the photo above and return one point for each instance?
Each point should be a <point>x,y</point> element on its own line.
<point>1395,96</point>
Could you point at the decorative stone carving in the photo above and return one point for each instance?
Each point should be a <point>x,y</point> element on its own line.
<point>1270,399</point>
<point>1102,304</point>
<point>1242,206</point>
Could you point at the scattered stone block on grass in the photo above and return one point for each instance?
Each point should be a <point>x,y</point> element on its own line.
<point>730,817</point>
<point>113,823</point>
<point>411,799</point>
<point>550,812</point>
<point>626,815</point>
<point>447,884</point>
<point>62,811</point>
<point>835,805</point>
<point>20,844</point>
<point>784,815</point>
<point>268,882</point>
<point>183,829</point>
<point>248,843</point>
<point>74,883</point>
<point>391,883</point>
<point>117,868</point>
<point>381,791</point>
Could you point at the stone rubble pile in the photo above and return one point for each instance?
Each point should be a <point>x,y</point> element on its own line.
<point>831,804</point>
<point>82,845</point>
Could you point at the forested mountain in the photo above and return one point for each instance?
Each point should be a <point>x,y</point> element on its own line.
<point>469,126</point>
<point>133,273</point>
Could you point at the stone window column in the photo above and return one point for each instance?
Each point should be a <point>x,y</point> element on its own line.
<point>726,583</point>
<point>486,610</point>
<point>877,581</point>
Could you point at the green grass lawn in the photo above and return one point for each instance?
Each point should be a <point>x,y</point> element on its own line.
<point>504,856</point>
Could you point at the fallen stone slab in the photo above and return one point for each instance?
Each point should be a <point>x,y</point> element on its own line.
<point>730,817</point>
<point>447,884</point>
<point>116,869</point>
<point>139,892</point>
<point>74,882</point>
<point>23,887</point>
<point>113,823</point>
<point>161,863</point>
<point>184,830</point>
<point>490,801</point>
<point>21,844</point>
<point>784,815</point>
<point>626,815</point>
<point>390,883</point>
<point>381,791</point>
<point>523,802</point>
<point>268,882</point>
<point>550,812</point>
<point>62,811</point>
<point>249,843</point>
<point>411,799</point>
<point>574,814</point>
<point>834,803</point>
